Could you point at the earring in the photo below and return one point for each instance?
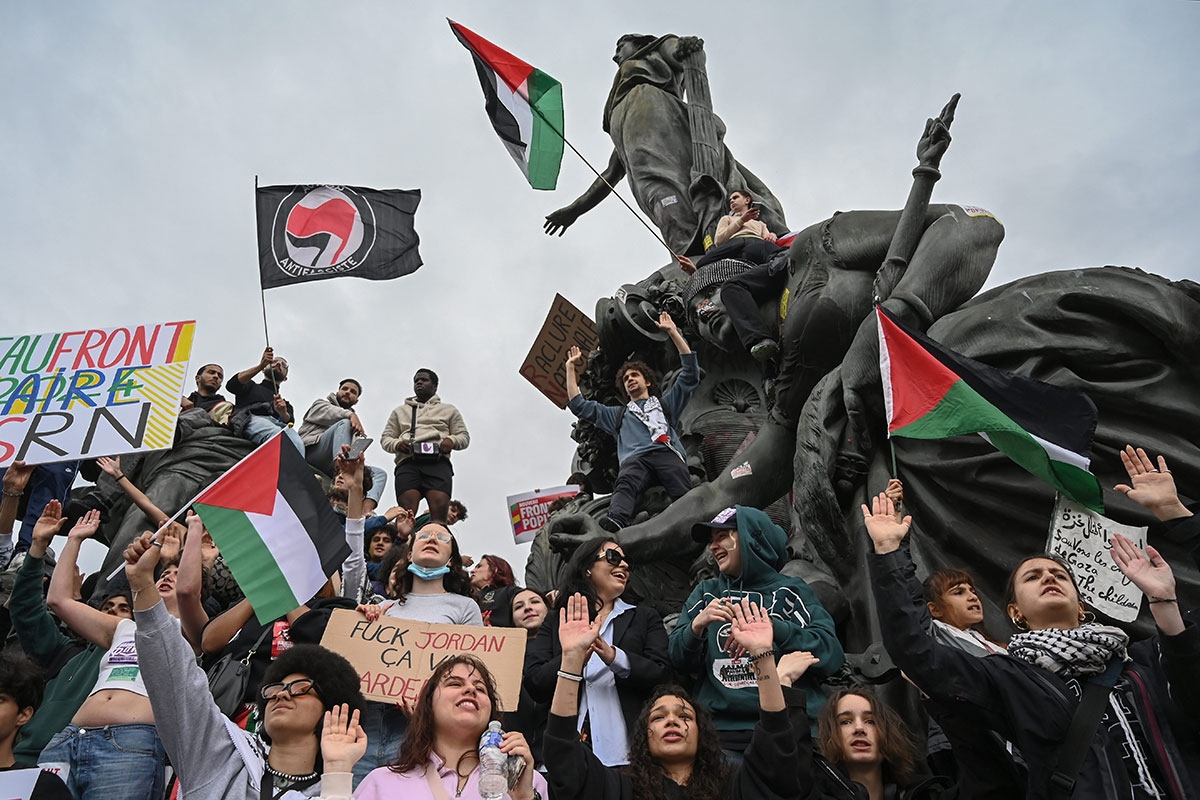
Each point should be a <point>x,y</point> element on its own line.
<point>1087,617</point>
<point>588,573</point>
<point>1019,623</point>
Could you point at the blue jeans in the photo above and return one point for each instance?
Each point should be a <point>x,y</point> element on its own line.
<point>320,455</point>
<point>261,428</point>
<point>48,482</point>
<point>113,761</point>
<point>384,725</point>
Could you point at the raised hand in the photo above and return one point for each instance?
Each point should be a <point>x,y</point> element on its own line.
<point>141,557</point>
<point>86,527</point>
<point>885,531</point>
<point>267,357</point>
<point>576,632</point>
<point>792,666</point>
<point>752,629</point>
<point>16,478</point>
<point>574,358</point>
<point>665,323</point>
<point>895,493</point>
<point>343,741</point>
<point>1149,571</point>
<point>936,138</point>
<point>1152,487</point>
<point>172,540</point>
<point>110,466</point>
<point>49,523</point>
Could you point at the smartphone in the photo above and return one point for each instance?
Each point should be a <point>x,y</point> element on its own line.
<point>358,446</point>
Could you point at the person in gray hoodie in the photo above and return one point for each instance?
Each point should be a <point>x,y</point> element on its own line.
<point>749,550</point>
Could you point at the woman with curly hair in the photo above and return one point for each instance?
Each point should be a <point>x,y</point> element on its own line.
<point>627,657</point>
<point>674,749</point>
<point>441,747</point>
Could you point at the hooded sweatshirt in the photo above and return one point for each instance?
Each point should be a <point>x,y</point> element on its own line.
<point>727,686</point>
<point>321,416</point>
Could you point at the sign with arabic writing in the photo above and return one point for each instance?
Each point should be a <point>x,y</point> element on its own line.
<point>1081,536</point>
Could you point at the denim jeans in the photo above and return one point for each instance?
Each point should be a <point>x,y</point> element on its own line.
<point>320,455</point>
<point>48,482</point>
<point>384,725</point>
<point>123,761</point>
<point>260,428</point>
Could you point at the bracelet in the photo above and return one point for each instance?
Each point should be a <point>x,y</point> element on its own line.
<point>13,494</point>
<point>921,169</point>
<point>761,656</point>
<point>118,478</point>
<point>571,676</point>
<point>1163,600</point>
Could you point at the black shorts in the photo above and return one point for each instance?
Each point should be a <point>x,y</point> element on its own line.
<point>426,476</point>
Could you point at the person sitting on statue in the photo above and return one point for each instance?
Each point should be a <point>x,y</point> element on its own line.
<point>332,422</point>
<point>647,444</point>
<point>208,386</point>
<point>259,412</point>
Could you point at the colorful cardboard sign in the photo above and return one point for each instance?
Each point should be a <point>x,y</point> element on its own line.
<point>527,512</point>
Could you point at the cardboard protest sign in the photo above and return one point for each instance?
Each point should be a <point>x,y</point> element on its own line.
<point>88,393</point>
<point>527,512</point>
<point>394,657</point>
<point>18,784</point>
<point>565,326</point>
<point>1081,536</point>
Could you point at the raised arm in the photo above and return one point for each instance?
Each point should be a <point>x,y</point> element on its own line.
<point>666,324</point>
<point>572,366</point>
<point>1151,487</point>
<point>221,629</point>
<point>188,582</point>
<point>16,478</point>
<point>245,376</point>
<point>354,568</point>
<point>1151,573</point>
<point>752,630</point>
<point>112,468</point>
<point>90,623</point>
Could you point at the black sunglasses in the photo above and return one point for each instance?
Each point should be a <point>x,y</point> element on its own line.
<point>296,688</point>
<point>613,556</point>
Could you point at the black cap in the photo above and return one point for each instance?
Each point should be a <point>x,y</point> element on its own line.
<point>724,521</point>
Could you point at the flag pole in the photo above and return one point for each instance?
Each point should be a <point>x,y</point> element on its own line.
<point>262,293</point>
<point>604,180</point>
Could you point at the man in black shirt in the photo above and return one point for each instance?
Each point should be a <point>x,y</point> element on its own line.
<point>208,383</point>
<point>259,412</point>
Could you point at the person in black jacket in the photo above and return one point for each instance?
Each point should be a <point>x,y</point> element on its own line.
<point>1030,696</point>
<point>628,655</point>
<point>674,752</point>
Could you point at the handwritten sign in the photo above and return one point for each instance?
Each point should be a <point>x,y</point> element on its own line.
<point>64,396</point>
<point>565,326</point>
<point>527,512</point>
<point>1081,536</point>
<point>395,657</point>
<point>18,784</point>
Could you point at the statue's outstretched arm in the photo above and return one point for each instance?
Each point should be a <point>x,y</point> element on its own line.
<point>558,221</point>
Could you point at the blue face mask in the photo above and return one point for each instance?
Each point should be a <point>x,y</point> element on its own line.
<point>425,573</point>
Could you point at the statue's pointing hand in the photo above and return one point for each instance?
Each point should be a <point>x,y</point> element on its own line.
<point>936,138</point>
<point>558,221</point>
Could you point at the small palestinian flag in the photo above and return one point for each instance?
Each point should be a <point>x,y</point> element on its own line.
<point>275,528</point>
<point>933,393</point>
<point>525,106</point>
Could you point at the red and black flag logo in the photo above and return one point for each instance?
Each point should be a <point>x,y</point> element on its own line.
<point>310,233</point>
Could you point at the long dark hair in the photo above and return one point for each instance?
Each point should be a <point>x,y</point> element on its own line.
<point>895,743</point>
<point>709,770</point>
<point>395,558</point>
<point>575,575</point>
<point>456,581</point>
<point>421,734</point>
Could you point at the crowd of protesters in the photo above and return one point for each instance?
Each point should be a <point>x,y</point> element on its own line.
<point>742,695</point>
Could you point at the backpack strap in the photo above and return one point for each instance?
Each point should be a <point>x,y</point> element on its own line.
<point>1083,728</point>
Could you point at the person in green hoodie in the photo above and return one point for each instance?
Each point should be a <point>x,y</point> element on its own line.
<point>749,551</point>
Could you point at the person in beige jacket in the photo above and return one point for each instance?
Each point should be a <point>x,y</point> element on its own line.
<point>422,433</point>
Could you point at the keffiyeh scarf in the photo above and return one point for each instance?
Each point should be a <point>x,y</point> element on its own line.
<point>1072,653</point>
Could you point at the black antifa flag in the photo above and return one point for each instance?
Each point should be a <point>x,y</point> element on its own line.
<point>310,233</point>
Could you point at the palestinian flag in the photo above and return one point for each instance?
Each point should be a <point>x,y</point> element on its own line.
<point>932,393</point>
<point>525,106</point>
<point>275,528</point>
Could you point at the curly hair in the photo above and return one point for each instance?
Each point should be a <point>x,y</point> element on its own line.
<point>710,771</point>
<point>461,509</point>
<point>457,581</point>
<point>422,728</point>
<point>895,742</point>
<point>21,679</point>
<point>335,679</point>
<point>637,366</point>
<point>575,578</point>
<point>502,571</point>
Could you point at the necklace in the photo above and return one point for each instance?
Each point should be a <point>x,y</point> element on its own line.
<point>283,776</point>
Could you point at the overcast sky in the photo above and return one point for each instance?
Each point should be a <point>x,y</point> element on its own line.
<point>133,132</point>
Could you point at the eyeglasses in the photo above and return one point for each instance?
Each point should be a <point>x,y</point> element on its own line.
<point>442,536</point>
<point>614,557</point>
<point>296,688</point>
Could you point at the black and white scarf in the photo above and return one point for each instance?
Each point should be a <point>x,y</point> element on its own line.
<point>1072,653</point>
<point>652,416</point>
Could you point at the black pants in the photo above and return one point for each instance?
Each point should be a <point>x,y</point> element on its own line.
<point>635,473</point>
<point>741,296</point>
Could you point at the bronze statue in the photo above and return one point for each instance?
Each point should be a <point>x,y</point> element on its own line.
<point>671,151</point>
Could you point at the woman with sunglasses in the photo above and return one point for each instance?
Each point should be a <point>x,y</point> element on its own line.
<point>212,756</point>
<point>627,658</point>
<point>433,588</point>
<point>1136,741</point>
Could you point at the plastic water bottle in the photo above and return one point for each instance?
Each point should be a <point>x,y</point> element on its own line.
<point>493,778</point>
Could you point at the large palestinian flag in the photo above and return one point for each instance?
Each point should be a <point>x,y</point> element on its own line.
<point>932,393</point>
<point>525,106</point>
<point>274,527</point>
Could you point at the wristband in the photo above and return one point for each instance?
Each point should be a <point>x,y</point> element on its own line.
<point>13,494</point>
<point>1163,600</point>
<point>761,656</point>
<point>571,676</point>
